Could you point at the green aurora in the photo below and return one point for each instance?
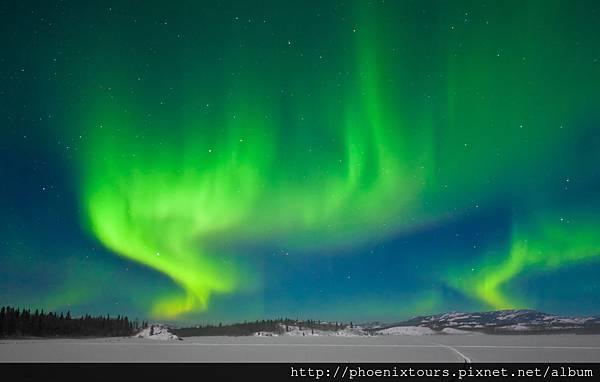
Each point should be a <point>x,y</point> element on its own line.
<point>204,137</point>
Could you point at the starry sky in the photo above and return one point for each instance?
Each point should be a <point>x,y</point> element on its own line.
<point>204,161</point>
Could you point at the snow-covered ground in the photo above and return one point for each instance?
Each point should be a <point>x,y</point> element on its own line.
<point>430,348</point>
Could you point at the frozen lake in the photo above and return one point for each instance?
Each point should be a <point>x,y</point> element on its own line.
<point>430,348</point>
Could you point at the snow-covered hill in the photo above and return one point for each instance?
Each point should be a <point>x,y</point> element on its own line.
<point>157,332</point>
<point>502,321</point>
<point>406,331</point>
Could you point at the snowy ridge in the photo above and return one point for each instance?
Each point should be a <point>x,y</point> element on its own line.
<point>406,331</point>
<point>523,320</point>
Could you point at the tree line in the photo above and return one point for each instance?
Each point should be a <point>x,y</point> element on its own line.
<point>16,322</point>
<point>278,326</point>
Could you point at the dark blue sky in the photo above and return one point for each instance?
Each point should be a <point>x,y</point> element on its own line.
<point>227,161</point>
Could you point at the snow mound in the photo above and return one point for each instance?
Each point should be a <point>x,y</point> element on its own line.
<point>265,334</point>
<point>158,332</point>
<point>356,331</point>
<point>406,331</point>
<point>455,331</point>
<point>516,328</point>
<point>295,331</point>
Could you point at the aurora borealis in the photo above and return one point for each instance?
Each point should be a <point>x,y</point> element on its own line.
<point>348,160</point>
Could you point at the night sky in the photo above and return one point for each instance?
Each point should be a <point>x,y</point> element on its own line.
<point>193,161</point>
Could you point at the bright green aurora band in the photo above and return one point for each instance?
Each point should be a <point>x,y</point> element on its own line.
<point>214,132</point>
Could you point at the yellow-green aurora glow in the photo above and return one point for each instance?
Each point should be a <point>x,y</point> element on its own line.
<point>405,157</point>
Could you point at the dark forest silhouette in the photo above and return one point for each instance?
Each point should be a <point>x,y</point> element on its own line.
<point>278,326</point>
<point>16,322</point>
